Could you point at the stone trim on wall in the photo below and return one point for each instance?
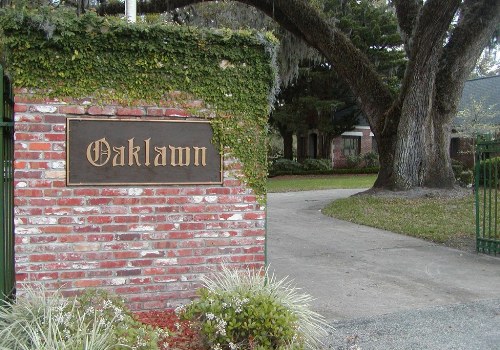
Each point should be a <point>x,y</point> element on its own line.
<point>149,244</point>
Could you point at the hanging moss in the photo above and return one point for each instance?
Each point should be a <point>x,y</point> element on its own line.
<point>232,72</point>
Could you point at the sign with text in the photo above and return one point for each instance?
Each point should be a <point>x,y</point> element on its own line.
<point>135,152</point>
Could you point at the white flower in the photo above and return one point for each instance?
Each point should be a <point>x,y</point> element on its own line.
<point>232,346</point>
<point>210,316</point>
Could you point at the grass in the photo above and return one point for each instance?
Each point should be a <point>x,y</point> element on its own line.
<point>318,182</point>
<point>441,220</point>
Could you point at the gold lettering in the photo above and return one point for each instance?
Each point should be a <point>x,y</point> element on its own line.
<point>119,152</point>
<point>161,156</point>
<point>197,156</point>
<point>133,153</point>
<point>146,151</point>
<point>98,152</point>
<point>178,154</point>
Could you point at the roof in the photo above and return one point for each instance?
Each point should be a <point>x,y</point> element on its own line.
<point>485,90</point>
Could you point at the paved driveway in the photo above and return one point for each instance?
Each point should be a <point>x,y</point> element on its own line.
<point>374,277</point>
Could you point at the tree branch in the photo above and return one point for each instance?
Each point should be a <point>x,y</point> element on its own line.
<point>298,17</point>
<point>407,12</point>
<point>477,24</point>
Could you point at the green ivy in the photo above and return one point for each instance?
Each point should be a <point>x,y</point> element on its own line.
<point>61,55</point>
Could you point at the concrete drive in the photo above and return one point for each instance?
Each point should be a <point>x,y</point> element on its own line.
<point>374,277</point>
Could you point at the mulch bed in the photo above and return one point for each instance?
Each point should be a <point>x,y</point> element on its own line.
<point>184,335</point>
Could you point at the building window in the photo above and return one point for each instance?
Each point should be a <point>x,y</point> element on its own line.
<point>351,145</point>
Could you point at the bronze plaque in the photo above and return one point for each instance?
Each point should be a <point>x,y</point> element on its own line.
<point>140,152</point>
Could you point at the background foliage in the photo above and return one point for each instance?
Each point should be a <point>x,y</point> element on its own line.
<point>57,53</point>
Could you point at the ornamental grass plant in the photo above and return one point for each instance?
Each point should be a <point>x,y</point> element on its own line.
<point>254,310</point>
<point>93,321</point>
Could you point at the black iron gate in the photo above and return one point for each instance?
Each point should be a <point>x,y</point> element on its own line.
<point>487,189</point>
<point>7,274</point>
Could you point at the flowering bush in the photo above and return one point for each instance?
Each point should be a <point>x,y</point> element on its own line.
<point>252,310</point>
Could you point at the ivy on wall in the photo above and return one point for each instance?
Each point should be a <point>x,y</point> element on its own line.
<point>62,55</point>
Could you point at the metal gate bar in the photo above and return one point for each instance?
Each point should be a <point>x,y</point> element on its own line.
<point>486,188</point>
<point>7,270</point>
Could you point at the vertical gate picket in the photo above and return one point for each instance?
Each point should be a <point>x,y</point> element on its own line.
<point>7,273</point>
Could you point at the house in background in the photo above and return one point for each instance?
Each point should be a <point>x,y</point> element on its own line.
<point>485,94</point>
<point>341,149</point>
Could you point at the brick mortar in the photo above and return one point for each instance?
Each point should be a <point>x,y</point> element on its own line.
<point>150,244</point>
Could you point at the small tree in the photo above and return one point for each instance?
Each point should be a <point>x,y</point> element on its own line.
<point>475,120</point>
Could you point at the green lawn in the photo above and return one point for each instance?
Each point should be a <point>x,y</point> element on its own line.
<point>441,220</point>
<point>318,182</point>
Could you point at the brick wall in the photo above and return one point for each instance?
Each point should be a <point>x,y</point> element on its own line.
<point>150,244</point>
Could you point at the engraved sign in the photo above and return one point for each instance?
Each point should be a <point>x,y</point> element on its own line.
<point>133,152</point>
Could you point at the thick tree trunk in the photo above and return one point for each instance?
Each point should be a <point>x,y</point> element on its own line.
<point>287,145</point>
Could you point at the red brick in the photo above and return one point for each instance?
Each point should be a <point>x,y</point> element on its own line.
<point>87,228</point>
<point>128,219</point>
<point>22,136</point>
<point>54,155</point>
<point>39,165</point>
<point>55,137</point>
<point>95,110</point>
<point>99,219</point>
<point>70,238</point>
<point>141,263</point>
<point>112,264</point>
<point>99,201</point>
<point>70,201</point>
<point>126,201</point>
<point>86,192</point>
<point>72,274</point>
<point>88,283</point>
<point>102,237</point>
<point>56,229</point>
<point>129,272</point>
<point>41,276</point>
<point>27,155</point>
<point>72,109</point>
<point>152,200</point>
<point>114,192</point>
<point>176,112</point>
<point>188,226</point>
<point>126,255</point>
<point>114,228</point>
<point>128,237</point>
<point>19,108</point>
<point>128,111</point>
<point>171,191</point>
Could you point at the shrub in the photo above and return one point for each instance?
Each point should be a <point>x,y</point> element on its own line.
<point>353,161</point>
<point>252,310</point>
<point>317,164</point>
<point>94,321</point>
<point>371,159</point>
<point>487,167</point>
<point>283,165</point>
